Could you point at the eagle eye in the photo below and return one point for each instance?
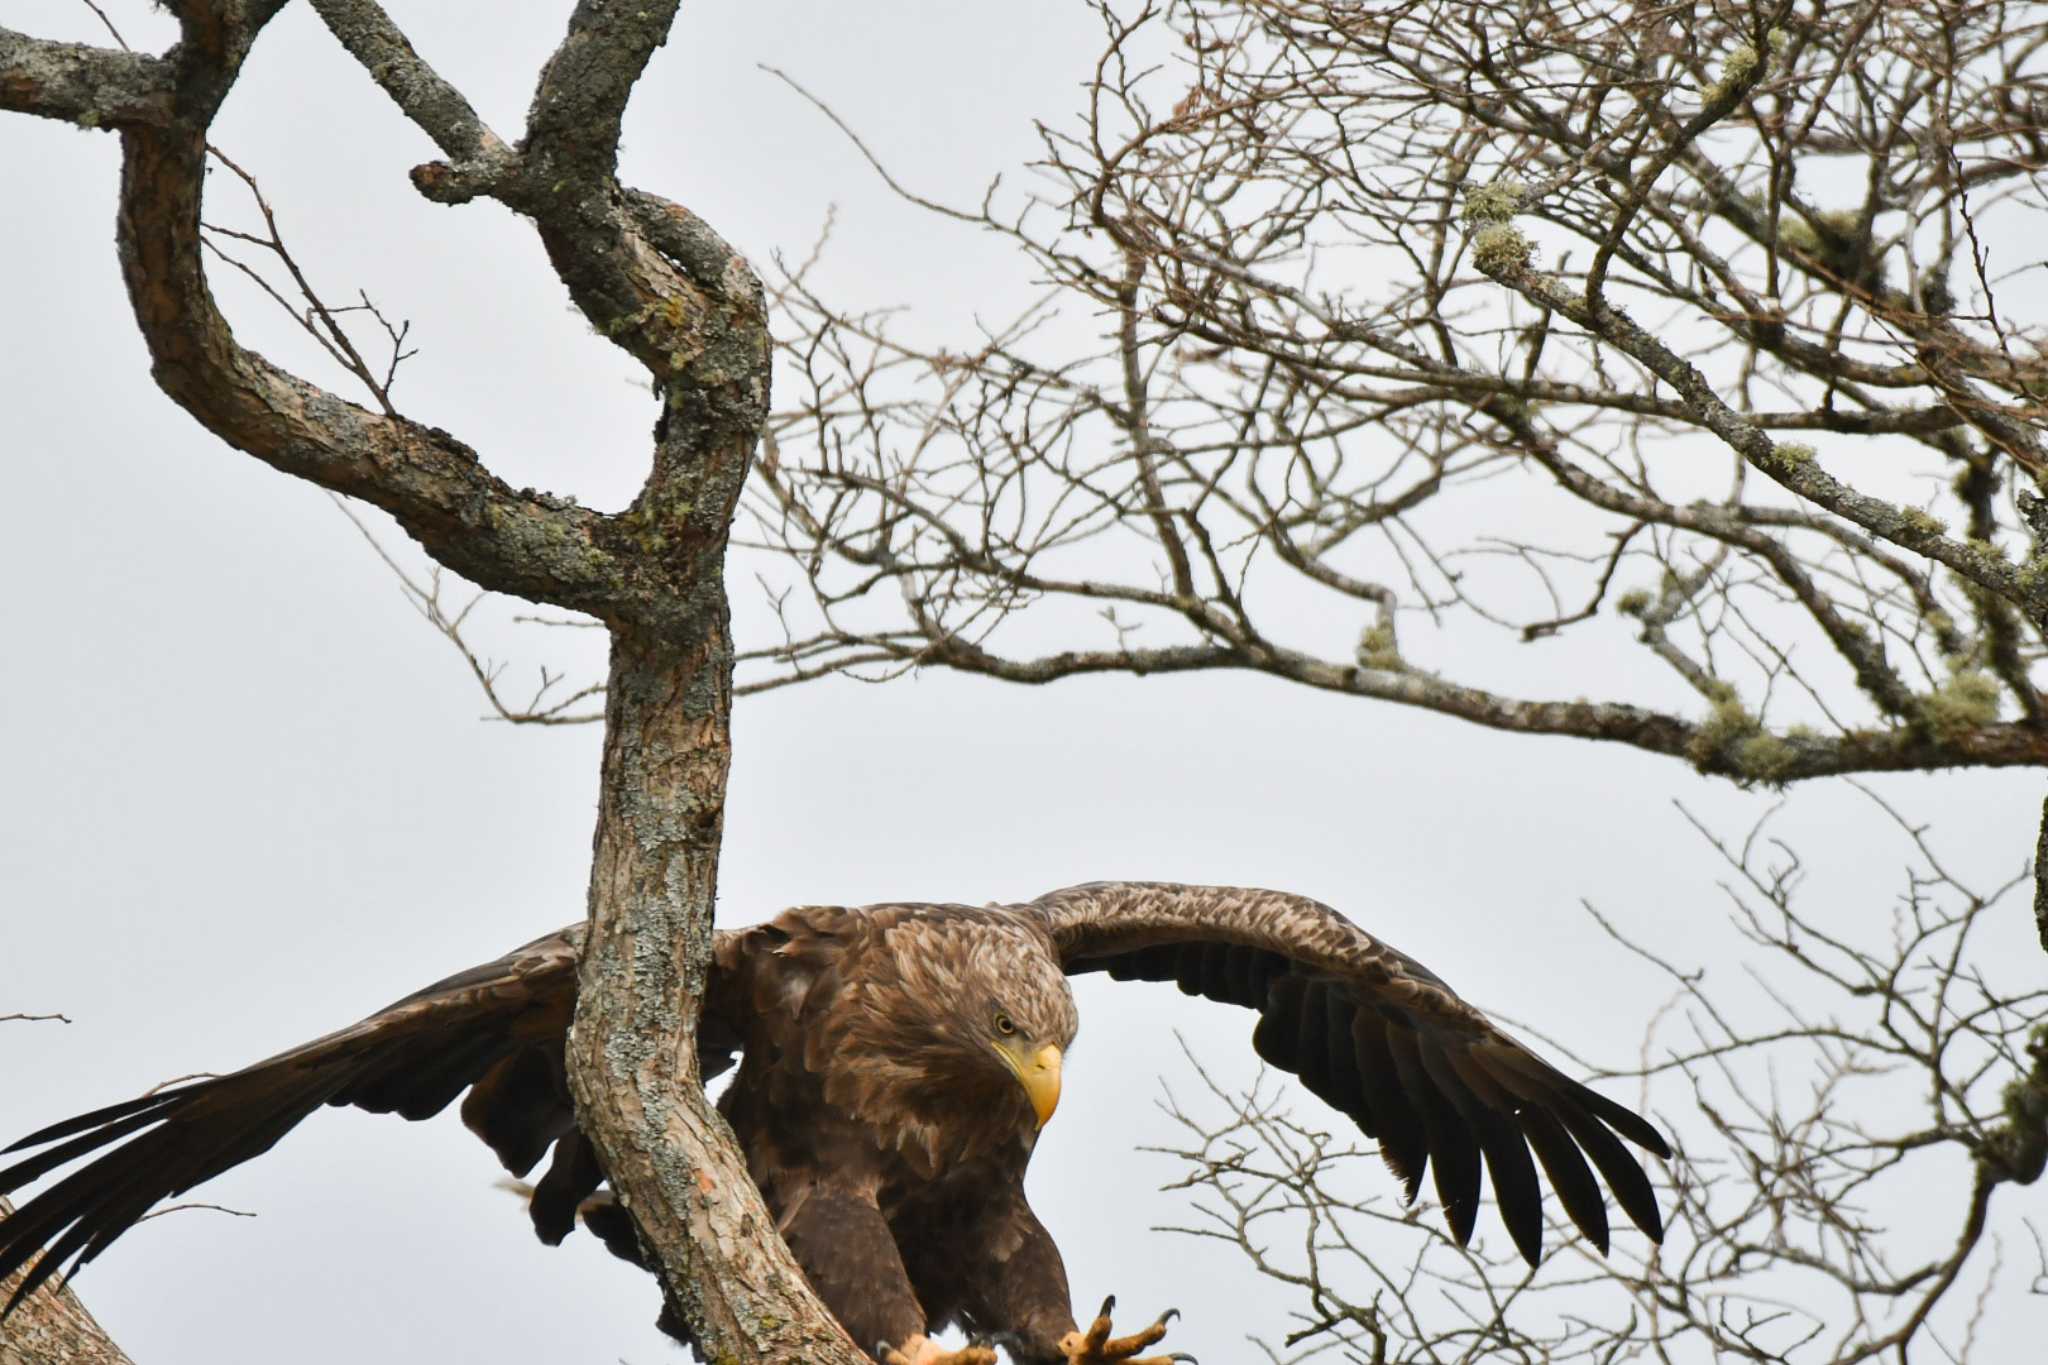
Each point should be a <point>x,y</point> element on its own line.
<point>1004,1024</point>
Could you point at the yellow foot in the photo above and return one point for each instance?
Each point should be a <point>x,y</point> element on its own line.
<point>922,1350</point>
<point>1095,1346</point>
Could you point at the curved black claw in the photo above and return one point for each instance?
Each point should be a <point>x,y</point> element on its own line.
<point>1095,1345</point>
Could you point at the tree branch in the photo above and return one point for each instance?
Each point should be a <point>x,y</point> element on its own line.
<point>1349,435</point>
<point>90,86</point>
<point>2041,880</point>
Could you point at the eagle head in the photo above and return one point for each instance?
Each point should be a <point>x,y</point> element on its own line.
<point>961,1032</point>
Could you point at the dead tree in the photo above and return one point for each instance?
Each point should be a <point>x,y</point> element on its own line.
<point>661,285</point>
<point>1658,375</point>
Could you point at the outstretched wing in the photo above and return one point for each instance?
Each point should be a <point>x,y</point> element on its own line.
<point>496,1030</point>
<point>1380,1037</point>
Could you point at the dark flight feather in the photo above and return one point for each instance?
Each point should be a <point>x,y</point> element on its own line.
<point>521,1106</point>
<point>1569,1175</point>
<point>1453,1146</point>
<point>1403,1145</point>
<point>1384,1040</point>
<point>573,1175</point>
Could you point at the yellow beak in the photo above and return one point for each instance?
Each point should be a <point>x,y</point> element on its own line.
<point>1039,1074</point>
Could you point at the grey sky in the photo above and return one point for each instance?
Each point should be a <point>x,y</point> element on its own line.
<point>245,797</point>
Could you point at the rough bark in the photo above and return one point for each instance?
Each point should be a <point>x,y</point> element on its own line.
<point>83,85</point>
<point>633,1056</point>
<point>661,285</point>
<point>51,1327</point>
<point>2041,879</point>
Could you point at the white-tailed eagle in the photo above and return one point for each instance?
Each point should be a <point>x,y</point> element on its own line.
<point>895,1065</point>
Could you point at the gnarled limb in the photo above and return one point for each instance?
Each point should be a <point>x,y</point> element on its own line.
<point>663,287</point>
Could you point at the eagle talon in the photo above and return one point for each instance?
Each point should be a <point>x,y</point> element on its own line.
<point>1095,1346</point>
<point>922,1350</point>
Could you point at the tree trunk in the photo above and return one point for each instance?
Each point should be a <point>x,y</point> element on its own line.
<point>51,1327</point>
<point>632,1051</point>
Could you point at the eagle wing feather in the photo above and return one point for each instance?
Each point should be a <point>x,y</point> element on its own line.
<point>1382,1039</point>
<point>495,1030</point>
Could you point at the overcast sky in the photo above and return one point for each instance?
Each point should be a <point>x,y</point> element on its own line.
<point>245,795</point>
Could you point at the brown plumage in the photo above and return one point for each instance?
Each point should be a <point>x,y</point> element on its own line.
<point>895,1064</point>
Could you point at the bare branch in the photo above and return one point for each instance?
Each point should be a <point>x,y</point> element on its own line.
<point>2041,879</point>
<point>540,708</point>
<point>181,1208</point>
<point>1357,412</point>
<point>317,319</point>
